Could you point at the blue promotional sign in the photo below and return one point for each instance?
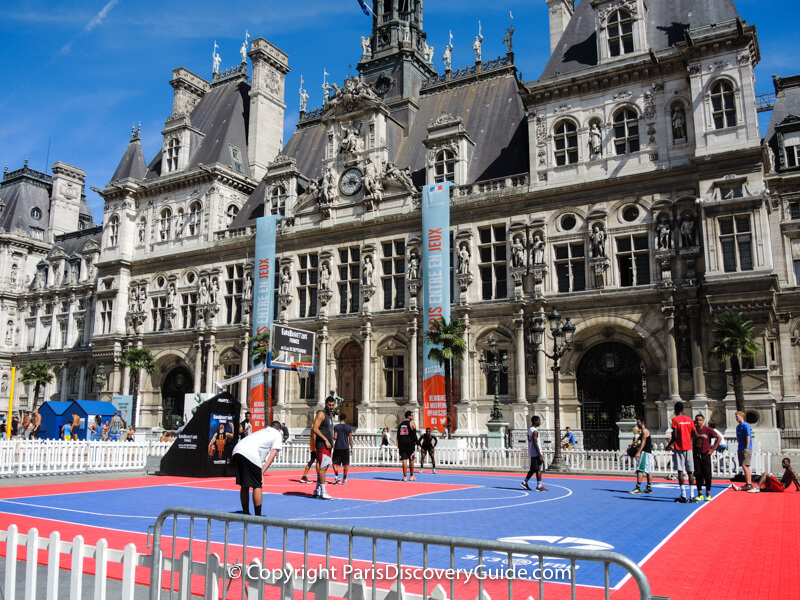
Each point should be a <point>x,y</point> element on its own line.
<point>436,287</point>
<point>263,292</point>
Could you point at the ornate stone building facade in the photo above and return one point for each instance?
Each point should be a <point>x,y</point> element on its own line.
<point>625,186</point>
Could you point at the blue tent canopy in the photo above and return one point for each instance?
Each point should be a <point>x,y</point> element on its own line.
<point>54,415</point>
<point>87,409</point>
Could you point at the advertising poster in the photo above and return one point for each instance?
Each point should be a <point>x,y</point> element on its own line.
<point>221,438</point>
<point>124,404</point>
<point>262,314</point>
<point>436,289</point>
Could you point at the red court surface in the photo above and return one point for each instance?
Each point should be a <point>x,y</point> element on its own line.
<point>739,546</point>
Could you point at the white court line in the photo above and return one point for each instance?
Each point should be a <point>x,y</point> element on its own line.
<point>84,512</point>
<point>666,539</point>
<point>431,514</point>
<point>519,494</point>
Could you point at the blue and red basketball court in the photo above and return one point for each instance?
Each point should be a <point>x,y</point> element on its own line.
<point>737,545</point>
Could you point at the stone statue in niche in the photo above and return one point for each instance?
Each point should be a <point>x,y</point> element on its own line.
<point>141,232</point>
<point>367,270</point>
<point>213,294</point>
<point>372,185</point>
<point>538,250</point>
<point>413,267</point>
<point>14,275</point>
<point>687,232</point>
<point>171,295</point>
<point>595,139</point>
<point>678,123</point>
<point>664,238</point>
<point>463,260</point>
<point>203,292</point>
<point>366,52</point>
<point>517,253</point>
<point>142,300</point>
<point>247,293</point>
<point>325,276</point>
<point>349,138</point>
<point>598,239</point>
<point>132,300</point>
<point>286,283</point>
<point>329,187</point>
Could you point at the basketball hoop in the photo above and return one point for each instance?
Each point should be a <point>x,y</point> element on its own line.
<point>303,369</point>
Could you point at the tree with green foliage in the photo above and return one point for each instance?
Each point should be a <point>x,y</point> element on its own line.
<point>37,372</point>
<point>259,351</point>
<point>137,359</point>
<point>734,340</point>
<point>448,346</point>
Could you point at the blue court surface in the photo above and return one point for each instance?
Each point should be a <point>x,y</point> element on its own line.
<point>574,512</point>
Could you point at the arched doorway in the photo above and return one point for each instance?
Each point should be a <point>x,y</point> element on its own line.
<point>178,383</point>
<point>349,382</point>
<point>610,376</point>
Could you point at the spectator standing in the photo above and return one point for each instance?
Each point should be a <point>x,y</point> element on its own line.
<point>246,426</point>
<point>116,427</point>
<point>14,425</point>
<point>130,435</point>
<point>427,446</point>
<point>703,450</point>
<point>406,444</point>
<point>25,428</point>
<point>683,431</point>
<point>535,454</point>
<point>36,424</point>
<point>285,432</point>
<point>643,458</point>
<point>95,429</point>
<point>342,442</point>
<point>66,431</point>
<point>386,441</point>
<point>76,426</point>
<point>744,436</point>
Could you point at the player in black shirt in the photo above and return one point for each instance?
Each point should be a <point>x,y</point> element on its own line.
<point>406,443</point>
<point>427,445</point>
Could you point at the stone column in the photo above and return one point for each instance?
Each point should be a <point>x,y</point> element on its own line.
<point>210,365</point>
<point>668,308</point>
<point>126,380</point>
<point>64,390</point>
<point>198,365</point>
<point>466,393</point>
<point>519,321</point>
<point>787,360</point>
<point>698,373</point>
<point>244,386</point>
<point>413,359</point>
<point>541,373</point>
<point>322,367</point>
<point>82,381</point>
<point>366,334</point>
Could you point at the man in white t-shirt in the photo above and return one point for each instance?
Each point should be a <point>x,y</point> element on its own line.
<point>535,454</point>
<point>257,449</point>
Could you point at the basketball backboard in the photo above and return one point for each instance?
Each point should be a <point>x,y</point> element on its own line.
<point>289,346</point>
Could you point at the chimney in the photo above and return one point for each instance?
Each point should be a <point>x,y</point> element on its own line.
<point>560,14</point>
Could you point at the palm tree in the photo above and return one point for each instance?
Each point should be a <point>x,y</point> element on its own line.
<point>448,346</point>
<point>37,372</point>
<point>259,352</point>
<point>733,339</point>
<point>138,359</point>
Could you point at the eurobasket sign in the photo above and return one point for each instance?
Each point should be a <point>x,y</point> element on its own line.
<point>263,291</point>
<point>436,287</point>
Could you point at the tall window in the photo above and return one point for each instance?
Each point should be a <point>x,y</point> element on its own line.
<point>173,149</point>
<point>792,155</point>
<point>189,310</point>
<point>278,201</point>
<point>570,264</point>
<point>234,286</point>
<point>63,330</point>
<point>394,373</point>
<point>236,154</point>
<point>231,213</point>
<point>349,280</point>
<point>195,217</point>
<point>308,386</point>
<point>626,131</point>
<point>444,167</point>
<point>633,259</point>
<point>106,314</point>
<point>737,243</point>
<point>113,231</point>
<point>74,380</point>
<point>164,224</point>
<point>79,340</point>
<point>723,105</point>
<point>566,143</point>
<point>393,276</point>
<point>308,277</point>
<point>492,255</point>
<point>159,313</point>
<point>491,377</point>
<point>620,33</point>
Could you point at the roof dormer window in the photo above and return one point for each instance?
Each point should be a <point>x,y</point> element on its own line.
<point>173,150</point>
<point>620,33</point>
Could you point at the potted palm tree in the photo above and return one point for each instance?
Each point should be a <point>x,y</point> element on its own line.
<point>448,346</point>
<point>734,340</point>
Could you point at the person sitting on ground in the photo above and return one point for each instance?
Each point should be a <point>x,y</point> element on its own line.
<point>768,483</point>
<point>568,440</point>
<point>166,436</point>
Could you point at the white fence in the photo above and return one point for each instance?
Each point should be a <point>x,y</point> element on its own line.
<point>56,457</point>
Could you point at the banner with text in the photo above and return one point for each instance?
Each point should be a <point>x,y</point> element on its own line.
<point>263,299</point>
<point>436,290</point>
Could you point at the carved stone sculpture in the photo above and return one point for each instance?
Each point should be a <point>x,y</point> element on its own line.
<point>329,187</point>
<point>203,295</point>
<point>664,238</point>
<point>517,253</point>
<point>595,139</point>
<point>366,52</point>
<point>448,53</point>
<point>598,239</point>
<point>349,138</point>
<point>413,267</point>
<point>367,270</point>
<point>463,260</point>
<point>508,38</point>
<point>142,300</point>
<point>538,250</point>
<point>372,185</point>
<point>325,277</point>
<point>247,293</point>
<point>678,123</point>
<point>286,283</point>
<point>687,232</point>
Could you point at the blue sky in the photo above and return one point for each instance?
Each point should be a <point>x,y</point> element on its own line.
<point>77,74</point>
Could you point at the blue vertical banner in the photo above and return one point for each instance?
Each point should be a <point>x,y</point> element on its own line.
<point>436,289</point>
<point>263,292</point>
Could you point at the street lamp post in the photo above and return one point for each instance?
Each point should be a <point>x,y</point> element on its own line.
<point>496,367</point>
<point>563,336</point>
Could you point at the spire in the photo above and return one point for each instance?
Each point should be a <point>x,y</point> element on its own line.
<point>132,165</point>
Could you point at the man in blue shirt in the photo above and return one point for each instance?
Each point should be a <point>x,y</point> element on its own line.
<point>568,441</point>
<point>745,450</point>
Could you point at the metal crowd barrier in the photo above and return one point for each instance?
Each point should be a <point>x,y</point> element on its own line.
<point>230,553</point>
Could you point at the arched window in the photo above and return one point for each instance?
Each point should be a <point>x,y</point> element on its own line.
<point>444,166</point>
<point>90,383</point>
<point>194,218</point>
<point>74,379</point>
<point>165,223</point>
<point>566,143</point>
<point>231,213</point>
<point>620,33</point>
<point>173,149</point>
<point>278,201</point>
<point>626,131</point>
<point>723,105</point>
<point>113,231</point>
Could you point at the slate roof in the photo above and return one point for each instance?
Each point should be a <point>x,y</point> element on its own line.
<point>666,22</point>
<point>493,116</point>
<point>222,116</point>
<point>787,102</point>
<point>20,192</point>
<point>74,242</point>
<point>132,165</point>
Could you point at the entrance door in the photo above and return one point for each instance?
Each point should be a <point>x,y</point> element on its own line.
<point>178,383</point>
<point>610,376</point>
<point>349,383</point>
